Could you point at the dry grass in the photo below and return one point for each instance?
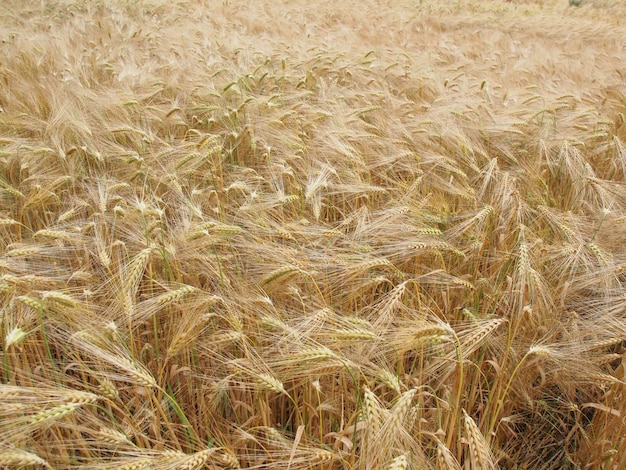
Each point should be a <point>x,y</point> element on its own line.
<point>334,235</point>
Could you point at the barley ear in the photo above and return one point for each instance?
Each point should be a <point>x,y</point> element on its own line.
<point>400,410</point>
<point>445,459</point>
<point>373,411</point>
<point>17,458</point>
<point>480,455</point>
<point>401,462</point>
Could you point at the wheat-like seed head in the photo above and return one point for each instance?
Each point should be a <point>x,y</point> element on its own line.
<point>112,436</point>
<point>400,411</point>
<point>267,382</point>
<point>32,302</point>
<point>445,459</point>
<point>480,454</point>
<point>373,411</point>
<point>183,461</point>
<point>53,414</point>
<point>59,298</point>
<point>400,462</point>
<point>472,339</point>
<point>136,464</point>
<point>24,251</point>
<point>282,274</point>
<point>228,458</point>
<point>7,221</point>
<point>391,380</point>
<point>312,354</point>
<point>425,336</point>
<point>107,389</point>
<point>59,235</point>
<point>15,336</point>
<point>17,458</point>
<point>599,253</point>
<point>80,398</point>
<point>540,351</point>
<point>135,372</point>
<point>172,296</point>
<point>353,334</point>
<point>134,270</point>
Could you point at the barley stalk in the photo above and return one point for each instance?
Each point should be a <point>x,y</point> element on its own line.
<point>205,228</point>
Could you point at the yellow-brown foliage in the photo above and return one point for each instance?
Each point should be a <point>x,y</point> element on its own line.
<point>306,234</point>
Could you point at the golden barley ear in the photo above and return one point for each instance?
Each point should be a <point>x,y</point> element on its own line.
<point>374,412</point>
<point>479,451</point>
<point>445,458</point>
<point>134,270</point>
<point>400,462</point>
<point>400,411</point>
<point>17,458</point>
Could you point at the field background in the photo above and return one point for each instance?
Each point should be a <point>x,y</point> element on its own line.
<point>309,234</point>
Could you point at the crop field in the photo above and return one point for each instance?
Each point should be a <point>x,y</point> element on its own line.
<point>306,234</point>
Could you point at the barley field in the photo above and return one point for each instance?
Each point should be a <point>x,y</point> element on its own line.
<point>302,234</point>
